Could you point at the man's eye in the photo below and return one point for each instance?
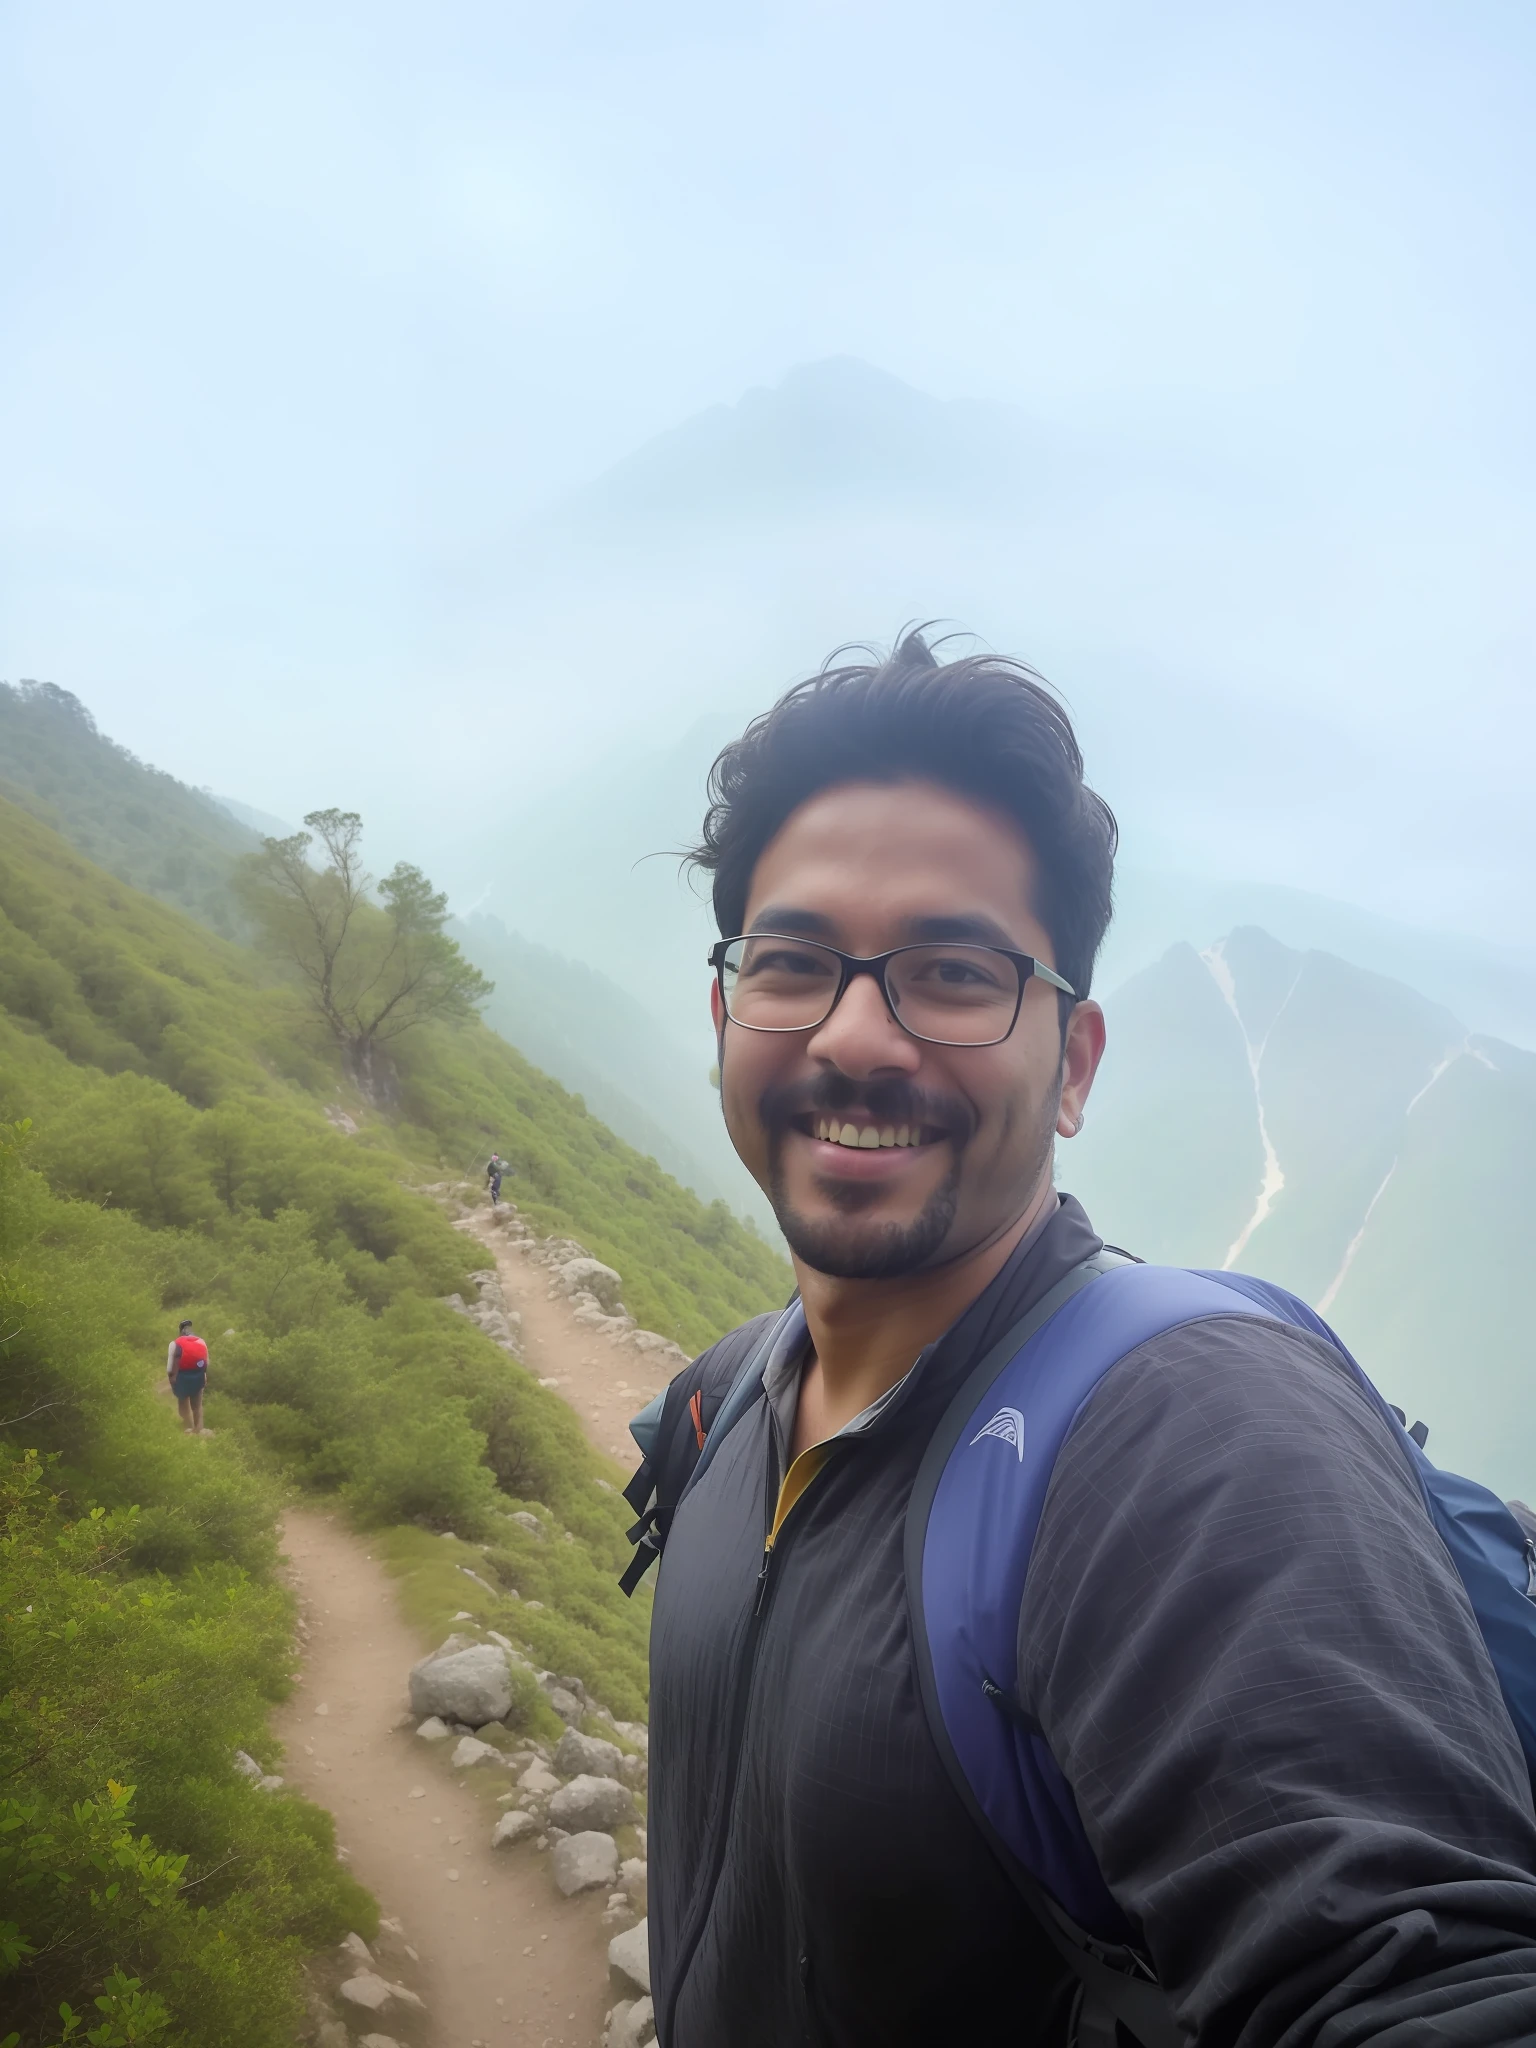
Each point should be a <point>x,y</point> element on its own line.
<point>784,961</point>
<point>955,974</point>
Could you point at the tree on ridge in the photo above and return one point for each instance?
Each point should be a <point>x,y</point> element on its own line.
<point>371,973</point>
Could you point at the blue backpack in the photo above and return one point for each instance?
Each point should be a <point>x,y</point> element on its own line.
<point>970,1529</point>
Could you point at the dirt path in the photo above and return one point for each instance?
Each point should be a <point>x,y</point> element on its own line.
<point>504,1959</point>
<point>604,1379</point>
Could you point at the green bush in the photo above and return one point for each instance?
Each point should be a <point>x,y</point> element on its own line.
<point>130,1848</point>
<point>180,1163</point>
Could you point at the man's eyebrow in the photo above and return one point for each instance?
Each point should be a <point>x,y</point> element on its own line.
<point>960,928</point>
<point>799,924</point>
<point>963,928</point>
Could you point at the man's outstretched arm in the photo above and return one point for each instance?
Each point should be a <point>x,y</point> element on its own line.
<point>1257,1668</point>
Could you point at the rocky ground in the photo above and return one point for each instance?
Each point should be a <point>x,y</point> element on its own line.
<point>511,1872</point>
<point>580,1801</point>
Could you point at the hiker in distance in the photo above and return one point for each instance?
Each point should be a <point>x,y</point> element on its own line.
<point>186,1367</point>
<point>1042,1644</point>
<point>493,1173</point>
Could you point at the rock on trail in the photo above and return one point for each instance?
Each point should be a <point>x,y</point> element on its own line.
<point>503,1959</point>
<point>571,1330</point>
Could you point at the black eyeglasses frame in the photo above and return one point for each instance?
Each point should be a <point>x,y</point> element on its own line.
<point>875,964</point>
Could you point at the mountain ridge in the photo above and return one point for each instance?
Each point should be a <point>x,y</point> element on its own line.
<point>831,435</point>
<point>1289,1114</point>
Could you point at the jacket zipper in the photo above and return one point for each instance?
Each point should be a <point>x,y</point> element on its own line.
<point>741,1708</point>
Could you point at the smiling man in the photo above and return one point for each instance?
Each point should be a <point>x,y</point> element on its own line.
<point>1241,1664</point>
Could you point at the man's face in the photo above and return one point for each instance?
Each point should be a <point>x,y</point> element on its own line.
<point>865,867</point>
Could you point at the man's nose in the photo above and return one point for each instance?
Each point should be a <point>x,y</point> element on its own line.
<point>861,1038</point>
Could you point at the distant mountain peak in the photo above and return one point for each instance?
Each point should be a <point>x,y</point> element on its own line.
<point>833,435</point>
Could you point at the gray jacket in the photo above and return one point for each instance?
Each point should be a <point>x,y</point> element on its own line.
<point>1252,1660</point>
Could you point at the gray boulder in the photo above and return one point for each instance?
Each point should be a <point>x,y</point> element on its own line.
<point>471,1751</point>
<point>538,1781</point>
<point>470,1685</point>
<point>528,1522</point>
<point>368,1991</point>
<point>565,1704</point>
<point>583,1862</point>
<point>576,1754</point>
<point>591,1803</point>
<point>629,1957</point>
<point>631,2025</point>
<point>248,1767</point>
<point>512,1827</point>
<point>632,1879</point>
<point>434,1730</point>
<point>591,1276</point>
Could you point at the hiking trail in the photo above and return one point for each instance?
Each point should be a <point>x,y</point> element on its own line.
<point>601,1376</point>
<point>502,1957</point>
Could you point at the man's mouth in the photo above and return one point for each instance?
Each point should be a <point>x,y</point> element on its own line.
<point>861,1134</point>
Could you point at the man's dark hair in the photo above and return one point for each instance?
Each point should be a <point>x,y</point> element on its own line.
<point>186,1325</point>
<point>985,726</point>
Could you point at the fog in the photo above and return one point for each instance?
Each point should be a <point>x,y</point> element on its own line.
<point>470,418</point>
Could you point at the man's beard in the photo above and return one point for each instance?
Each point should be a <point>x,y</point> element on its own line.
<point>846,1248</point>
<point>849,1250</point>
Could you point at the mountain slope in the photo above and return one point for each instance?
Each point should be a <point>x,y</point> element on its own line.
<point>580,1026</point>
<point>833,437</point>
<point>170,1146</point>
<point>595,1038</point>
<point>1287,1114</point>
<point>98,976</point>
<point>141,825</point>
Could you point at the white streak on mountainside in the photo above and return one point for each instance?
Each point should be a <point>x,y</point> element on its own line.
<point>1273,1180</point>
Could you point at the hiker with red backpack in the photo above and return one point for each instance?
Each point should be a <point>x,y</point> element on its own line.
<point>186,1367</point>
<point>1046,1647</point>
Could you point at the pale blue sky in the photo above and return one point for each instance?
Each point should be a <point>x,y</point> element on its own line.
<point>307,306</point>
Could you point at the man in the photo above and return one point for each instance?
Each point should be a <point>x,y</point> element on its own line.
<point>493,1173</point>
<point>186,1367</point>
<point>1241,1638</point>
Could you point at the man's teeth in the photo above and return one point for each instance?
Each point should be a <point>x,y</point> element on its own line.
<point>867,1137</point>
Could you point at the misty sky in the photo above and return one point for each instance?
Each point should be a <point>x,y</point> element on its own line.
<point>309,310</point>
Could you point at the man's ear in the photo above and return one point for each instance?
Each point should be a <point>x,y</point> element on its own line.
<point>1081,1052</point>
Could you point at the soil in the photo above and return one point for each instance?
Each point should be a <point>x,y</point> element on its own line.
<point>603,1378</point>
<point>503,1958</point>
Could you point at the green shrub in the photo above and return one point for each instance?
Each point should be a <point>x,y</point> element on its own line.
<point>180,1163</point>
<point>129,1845</point>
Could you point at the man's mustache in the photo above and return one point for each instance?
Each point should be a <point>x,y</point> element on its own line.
<point>890,1101</point>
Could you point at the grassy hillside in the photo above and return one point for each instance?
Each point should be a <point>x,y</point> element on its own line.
<point>144,1883</point>
<point>127,992</point>
<point>166,1153</point>
<point>570,1021</point>
<point>596,1039</point>
<point>142,826</point>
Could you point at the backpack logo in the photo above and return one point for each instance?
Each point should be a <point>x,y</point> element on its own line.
<point>1008,1424</point>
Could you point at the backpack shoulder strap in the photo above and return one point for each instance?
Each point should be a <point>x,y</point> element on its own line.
<point>674,1430</point>
<point>971,1524</point>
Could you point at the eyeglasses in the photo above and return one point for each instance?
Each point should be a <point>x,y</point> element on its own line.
<point>944,994</point>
